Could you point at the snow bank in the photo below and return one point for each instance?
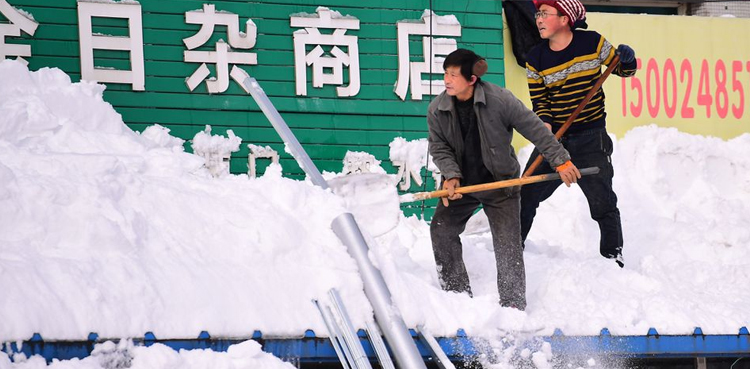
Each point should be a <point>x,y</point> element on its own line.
<point>106,230</point>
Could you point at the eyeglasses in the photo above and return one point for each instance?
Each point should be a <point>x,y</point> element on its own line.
<point>544,15</point>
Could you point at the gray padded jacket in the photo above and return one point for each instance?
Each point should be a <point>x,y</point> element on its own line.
<point>498,113</point>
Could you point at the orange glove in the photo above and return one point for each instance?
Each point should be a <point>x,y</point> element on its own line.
<point>568,173</point>
<point>451,185</point>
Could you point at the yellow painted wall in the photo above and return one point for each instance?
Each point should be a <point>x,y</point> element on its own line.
<point>694,73</point>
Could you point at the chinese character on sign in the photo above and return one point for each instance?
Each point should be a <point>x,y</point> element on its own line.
<point>132,43</point>
<point>208,18</point>
<point>433,51</point>
<point>410,157</point>
<point>356,162</point>
<point>322,62</point>
<point>19,21</point>
<point>216,150</point>
<point>257,152</point>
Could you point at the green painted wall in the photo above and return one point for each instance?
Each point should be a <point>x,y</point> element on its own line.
<point>326,125</point>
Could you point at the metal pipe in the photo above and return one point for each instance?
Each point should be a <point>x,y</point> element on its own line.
<point>441,359</point>
<point>350,335</point>
<point>342,340</point>
<point>345,227</point>
<point>376,339</point>
<point>333,334</point>
<point>386,314</point>
<point>251,86</point>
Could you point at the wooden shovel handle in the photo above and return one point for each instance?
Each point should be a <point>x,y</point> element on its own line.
<point>578,110</point>
<point>494,185</point>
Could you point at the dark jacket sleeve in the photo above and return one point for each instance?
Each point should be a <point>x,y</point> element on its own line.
<point>443,155</point>
<point>532,128</point>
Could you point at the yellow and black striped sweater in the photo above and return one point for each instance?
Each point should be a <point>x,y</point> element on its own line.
<point>559,80</point>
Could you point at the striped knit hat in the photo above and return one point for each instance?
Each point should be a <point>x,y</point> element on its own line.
<point>573,9</point>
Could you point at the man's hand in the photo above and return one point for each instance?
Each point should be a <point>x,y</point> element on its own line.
<point>451,185</point>
<point>627,55</point>
<point>549,126</point>
<point>568,173</point>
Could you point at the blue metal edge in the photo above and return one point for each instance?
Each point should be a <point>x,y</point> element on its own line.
<point>654,345</point>
<point>312,349</point>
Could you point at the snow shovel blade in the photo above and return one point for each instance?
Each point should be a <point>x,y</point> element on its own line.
<point>372,198</point>
<point>409,197</point>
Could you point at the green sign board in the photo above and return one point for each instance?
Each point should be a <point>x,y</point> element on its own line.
<point>344,76</point>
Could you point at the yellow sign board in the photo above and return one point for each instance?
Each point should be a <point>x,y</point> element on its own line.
<point>693,73</point>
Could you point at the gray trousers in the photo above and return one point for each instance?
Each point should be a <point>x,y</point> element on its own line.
<point>503,212</point>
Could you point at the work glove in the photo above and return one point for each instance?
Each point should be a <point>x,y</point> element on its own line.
<point>451,185</point>
<point>568,173</point>
<point>626,53</point>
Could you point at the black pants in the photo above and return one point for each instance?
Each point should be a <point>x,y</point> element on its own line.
<point>591,148</point>
<point>502,208</point>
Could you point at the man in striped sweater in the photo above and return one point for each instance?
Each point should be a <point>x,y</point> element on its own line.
<point>561,71</point>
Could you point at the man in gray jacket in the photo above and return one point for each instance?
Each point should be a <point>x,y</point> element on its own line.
<point>470,131</point>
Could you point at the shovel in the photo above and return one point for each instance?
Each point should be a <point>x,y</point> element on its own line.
<point>409,197</point>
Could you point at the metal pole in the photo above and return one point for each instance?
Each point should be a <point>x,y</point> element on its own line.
<point>386,314</point>
<point>333,334</point>
<point>441,359</point>
<point>345,227</point>
<point>251,86</point>
<point>350,335</point>
<point>378,345</point>
<point>376,338</point>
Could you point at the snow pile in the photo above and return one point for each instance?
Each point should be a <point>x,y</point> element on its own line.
<point>356,162</point>
<point>108,355</point>
<point>685,206</point>
<point>106,230</point>
<point>216,150</point>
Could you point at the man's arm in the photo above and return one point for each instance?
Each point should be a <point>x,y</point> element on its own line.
<point>628,64</point>
<point>539,96</point>
<point>443,155</point>
<point>532,128</point>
